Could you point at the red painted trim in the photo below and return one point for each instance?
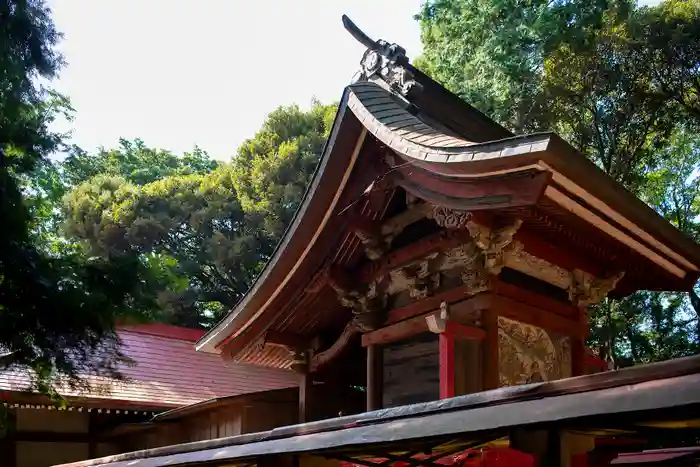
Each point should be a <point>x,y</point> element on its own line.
<point>596,362</point>
<point>447,365</point>
<point>164,330</point>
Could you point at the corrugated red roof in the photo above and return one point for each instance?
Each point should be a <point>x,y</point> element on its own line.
<point>168,372</point>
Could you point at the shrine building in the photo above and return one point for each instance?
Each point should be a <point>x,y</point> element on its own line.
<point>436,254</point>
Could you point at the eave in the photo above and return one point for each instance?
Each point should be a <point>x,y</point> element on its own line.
<point>328,181</point>
<point>575,185</point>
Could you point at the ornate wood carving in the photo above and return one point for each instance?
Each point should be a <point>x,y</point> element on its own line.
<point>321,358</point>
<point>367,305</point>
<point>493,243</point>
<point>584,288</point>
<point>588,290</point>
<point>517,258</point>
<point>369,233</point>
<point>449,218</point>
<point>420,278</point>
<point>376,238</point>
<point>529,354</point>
<point>383,60</point>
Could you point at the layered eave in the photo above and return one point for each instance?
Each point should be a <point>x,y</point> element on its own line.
<point>379,137</point>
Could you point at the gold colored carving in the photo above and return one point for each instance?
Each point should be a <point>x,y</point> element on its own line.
<point>493,243</point>
<point>449,218</point>
<point>529,354</point>
<point>586,290</point>
<point>476,277</point>
<point>517,258</point>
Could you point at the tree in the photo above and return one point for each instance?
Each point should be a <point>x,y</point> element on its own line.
<point>273,169</point>
<point>134,161</point>
<point>58,308</point>
<point>211,233</point>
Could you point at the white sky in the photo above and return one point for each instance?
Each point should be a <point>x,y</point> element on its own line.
<point>176,73</point>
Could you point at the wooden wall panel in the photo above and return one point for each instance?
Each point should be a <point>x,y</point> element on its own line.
<point>411,371</point>
<point>468,367</point>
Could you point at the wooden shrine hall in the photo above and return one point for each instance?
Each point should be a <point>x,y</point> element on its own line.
<point>436,254</point>
<point>448,254</point>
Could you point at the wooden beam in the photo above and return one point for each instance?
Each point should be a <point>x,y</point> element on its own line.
<point>305,388</point>
<point>443,240</point>
<point>456,294</point>
<point>336,349</point>
<point>395,332</point>
<point>447,365</point>
<point>536,246</point>
<point>523,189</point>
<point>519,311</point>
<point>375,373</point>
<point>417,325</point>
<point>529,307</point>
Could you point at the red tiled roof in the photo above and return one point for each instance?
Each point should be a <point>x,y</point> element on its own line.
<point>168,372</point>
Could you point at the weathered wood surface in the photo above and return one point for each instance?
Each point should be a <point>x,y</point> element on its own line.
<point>411,371</point>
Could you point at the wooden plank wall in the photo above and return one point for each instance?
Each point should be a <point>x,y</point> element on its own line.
<point>411,371</point>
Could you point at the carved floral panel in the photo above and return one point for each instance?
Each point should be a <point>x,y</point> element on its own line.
<point>529,354</point>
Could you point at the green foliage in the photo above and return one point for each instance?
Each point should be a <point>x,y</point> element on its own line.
<point>135,162</point>
<point>208,230</point>
<point>273,169</point>
<point>57,305</point>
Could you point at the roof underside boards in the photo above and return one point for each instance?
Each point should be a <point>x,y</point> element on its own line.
<point>168,372</point>
<point>606,401</point>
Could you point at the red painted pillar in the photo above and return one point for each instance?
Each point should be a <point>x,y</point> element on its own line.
<point>447,364</point>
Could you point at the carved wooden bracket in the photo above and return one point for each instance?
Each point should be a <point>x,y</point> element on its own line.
<point>493,243</point>
<point>321,358</point>
<point>449,218</point>
<point>369,233</point>
<point>588,290</point>
<point>420,278</point>
<point>369,307</point>
<point>376,238</point>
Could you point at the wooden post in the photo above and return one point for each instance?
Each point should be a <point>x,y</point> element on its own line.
<point>447,364</point>
<point>448,331</point>
<point>490,349</point>
<point>375,369</point>
<point>305,384</point>
<point>578,347</point>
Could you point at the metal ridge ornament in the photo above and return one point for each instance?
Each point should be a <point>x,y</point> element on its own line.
<point>384,61</point>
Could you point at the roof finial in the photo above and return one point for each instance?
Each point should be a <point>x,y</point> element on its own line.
<point>383,60</point>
